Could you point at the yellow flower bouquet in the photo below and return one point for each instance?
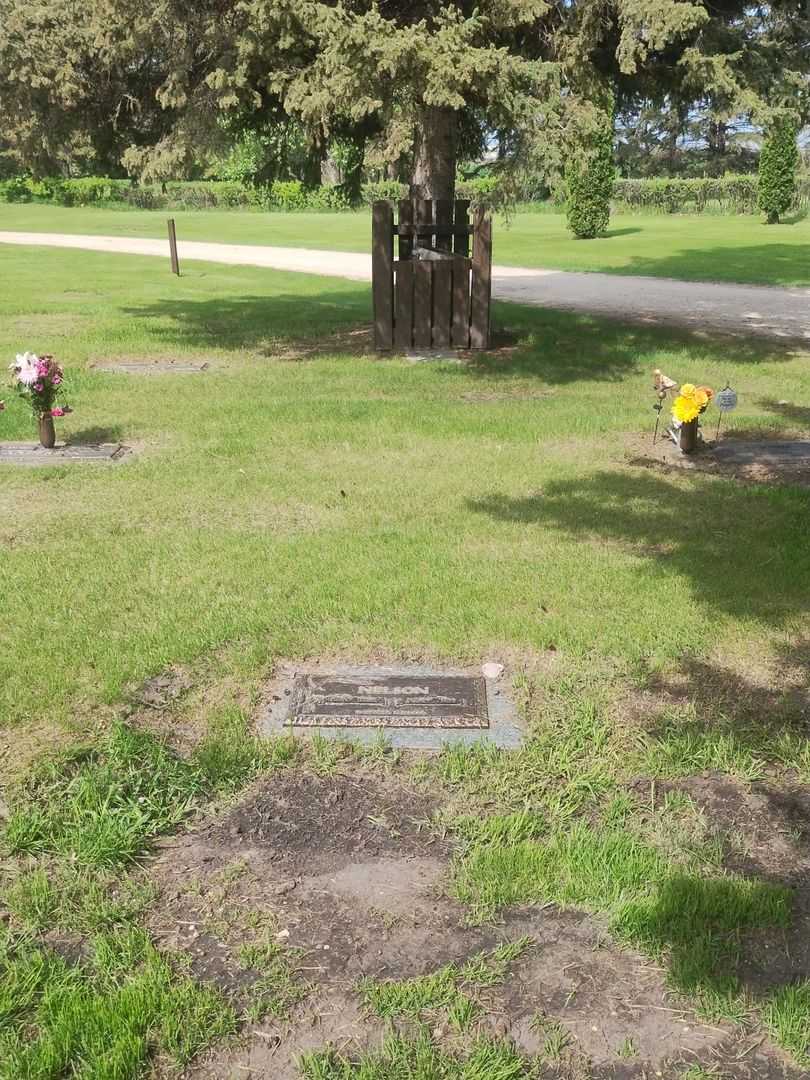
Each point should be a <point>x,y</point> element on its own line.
<point>691,402</point>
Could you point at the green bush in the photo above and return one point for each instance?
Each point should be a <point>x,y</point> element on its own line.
<point>376,190</point>
<point>15,190</point>
<point>778,163</point>
<point>146,198</point>
<point>477,191</point>
<point>590,186</point>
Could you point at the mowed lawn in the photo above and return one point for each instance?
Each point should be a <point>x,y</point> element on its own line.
<point>351,502</point>
<point>305,498</point>
<point>690,247</point>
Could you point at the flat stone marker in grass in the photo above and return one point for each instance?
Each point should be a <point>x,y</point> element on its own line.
<point>413,707</point>
<point>151,367</point>
<point>769,453</point>
<point>34,454</point>
<point>758,460</point>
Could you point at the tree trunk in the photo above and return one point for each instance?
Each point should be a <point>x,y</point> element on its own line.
<point>718,137</point>
<point>434,164</point>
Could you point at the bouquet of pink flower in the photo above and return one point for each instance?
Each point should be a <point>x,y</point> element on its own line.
<point>39,380</point>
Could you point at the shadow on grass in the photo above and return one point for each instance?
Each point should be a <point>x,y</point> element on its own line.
<point>799,415</point>
<point>753,713</point>
<point>250,322</point>
<point>562,347</point>
<point>93,436</point>
<point>696,923</point>
<point>743,550</point>
<point>559,347</point>
<point>781,265</point>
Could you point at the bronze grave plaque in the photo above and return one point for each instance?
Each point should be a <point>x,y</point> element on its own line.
<point>395,701</point>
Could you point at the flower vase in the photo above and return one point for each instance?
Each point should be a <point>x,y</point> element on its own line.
<point>688,437</point>
<point>47,432</point>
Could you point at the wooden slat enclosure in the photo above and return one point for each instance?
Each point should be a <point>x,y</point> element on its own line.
<point>382,273</point>
<point>433,295</point>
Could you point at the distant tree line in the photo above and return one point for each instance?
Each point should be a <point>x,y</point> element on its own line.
<point>268,91</point>
<point>406,90</point>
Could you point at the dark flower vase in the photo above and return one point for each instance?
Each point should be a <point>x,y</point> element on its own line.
<point>689,437</point>
<point>47,432</point>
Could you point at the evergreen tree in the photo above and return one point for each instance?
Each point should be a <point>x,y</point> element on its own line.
<point>161,85</point>
<point>778,162</point>
<point>589,182</point>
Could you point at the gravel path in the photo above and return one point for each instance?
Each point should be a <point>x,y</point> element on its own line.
<point>730,309</point>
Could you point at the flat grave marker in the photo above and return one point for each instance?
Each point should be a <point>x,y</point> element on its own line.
<point>12,453</point>
<point>755,460</point>
<point>770,453</point>
<point>413,707</point>
<point>151,367</point>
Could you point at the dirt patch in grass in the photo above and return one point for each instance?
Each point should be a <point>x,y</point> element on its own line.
<point>273,1050</point>
<point>162,689</point>
<point>346,874</point>
<point>357,341</point>
<point>315,824</point>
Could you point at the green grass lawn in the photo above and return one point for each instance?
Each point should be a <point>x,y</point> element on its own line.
<point>690,247</point>
<point>495,496</point>
<point>291,503</point>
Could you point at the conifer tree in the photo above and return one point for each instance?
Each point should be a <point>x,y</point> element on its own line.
<point>778,162</point>
<point>589,182</point>
<point>156,86</point>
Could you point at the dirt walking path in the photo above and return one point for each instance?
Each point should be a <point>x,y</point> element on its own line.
<point>740,310</point>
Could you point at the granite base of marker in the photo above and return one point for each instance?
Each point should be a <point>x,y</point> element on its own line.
<point>33,454</point>
<point>412,706</point>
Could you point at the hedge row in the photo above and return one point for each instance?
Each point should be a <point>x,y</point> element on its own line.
<point>207,194</point>
<point>729,194</point>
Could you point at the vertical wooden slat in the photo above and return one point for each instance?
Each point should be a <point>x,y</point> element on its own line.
<point>442,301</point>
<point>403,322</point>
<point>382,273</point>
<point>405,218</point>
<point>461,244</point>
<point>173,247</point>
<point>424,216</point>
<point>460,334</point>
<point>443,216</point>
<point>422,303</point>
<point>481,289</point>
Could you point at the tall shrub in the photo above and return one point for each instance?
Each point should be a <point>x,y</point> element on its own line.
<point>589,184</point>
<point>778,163</point>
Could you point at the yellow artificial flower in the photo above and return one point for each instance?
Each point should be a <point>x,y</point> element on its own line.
<point>700,398</point>
<point>685,409</point>
<point>687,390</point>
